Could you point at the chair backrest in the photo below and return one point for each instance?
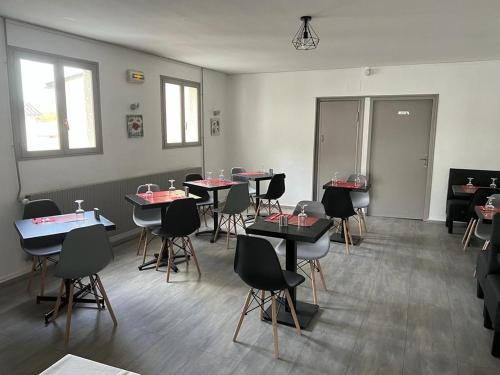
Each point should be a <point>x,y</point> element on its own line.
<point>238,199</point>
<point>479,198</point>
<point>338,203</point>
<point>181,218</point>
<point>203,194</point>
<point>276,187</point>
<point>41,208</point>
<point>352,178</point>
<point>235,170</point>
<point>257,264</point>
<point>313,208</point>
<point>85,251</point>
<point>494,254</point>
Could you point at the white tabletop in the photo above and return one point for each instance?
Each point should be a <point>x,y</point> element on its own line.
<point>71,364</point>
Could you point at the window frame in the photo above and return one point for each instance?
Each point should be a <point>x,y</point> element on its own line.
<point>15,54</point>
<point>182,83</point>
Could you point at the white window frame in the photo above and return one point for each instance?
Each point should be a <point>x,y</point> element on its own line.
<point>15,54</point>
<point>182,84</point>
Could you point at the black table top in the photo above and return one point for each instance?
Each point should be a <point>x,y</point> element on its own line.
<point>145,204</point>
<point>464,190</point>
<point>27,229</point>
<point>257,176</point>
<point>215,185</point>
<point>311,234</point>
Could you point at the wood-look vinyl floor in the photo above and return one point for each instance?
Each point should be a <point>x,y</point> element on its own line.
<point>403,302</point>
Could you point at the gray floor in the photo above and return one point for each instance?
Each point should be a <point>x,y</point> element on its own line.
<point>402,303</point>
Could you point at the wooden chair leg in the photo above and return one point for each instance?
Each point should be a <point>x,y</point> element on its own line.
<point>258,208</point>
<point>279,207</point>
<point>467,230</point>
<point>363,217</point>
<point>274,312</point>
<point>164,244</point>
<point>228,222</point>
<point>243,313</point>
<point>70,311</point>
<point>313,282</point>
<point>141,235</point>
<point>486,244</point>
<point>94,290</point>
<point>234,224</point>
<point>170,258</point>
<point>269,207</point>
<point>360,225</point>
<point>58,300</point>
<point>30,277</point>
<point>106,299</point>
<point>145,249</point>
<point>193,253</point>
<point>469,235</point>
<point>322,277</point>
<point>349,231</point>
<point>218,226</point>
<point>42,276</point>
<point>346,236</point>
<point>262,299</point>
<point>294,313</point>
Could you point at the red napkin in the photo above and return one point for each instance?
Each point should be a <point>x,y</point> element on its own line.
<point>292,219</point>
<point>55,219</point>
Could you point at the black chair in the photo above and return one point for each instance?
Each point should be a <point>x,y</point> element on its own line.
<point>275,190</point>
<point>42,249</point>
<point>181,220</point>
<point>338,205</point>
<point>478,199</point>
<point>206,202</point>
<point>488,285</point>
<point>258,266</point>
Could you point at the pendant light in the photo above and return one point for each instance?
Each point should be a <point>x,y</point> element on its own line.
<point>306,38</point>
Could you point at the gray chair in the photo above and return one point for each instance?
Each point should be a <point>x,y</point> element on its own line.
<point>360,201</point>
<point>251,190</point>
<point>41,250</point>
<point>483,230</point>
<point>237,201</point>
<point>310,253</point>
<point>206,201</point>
<point>147,220</point>
<point>85,252</point>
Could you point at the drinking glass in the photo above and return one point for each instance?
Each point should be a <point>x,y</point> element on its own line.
<point>302,216</point>
<point>209,175</point>
<point>357,181</point>
<point>470,181</point>
<point>149,191</point>
<point>172,187</point>
<point>493,184</point>
<point>335,178</point>
<point>80,213</point>
<point>221,176</point>
<point>489,204</point>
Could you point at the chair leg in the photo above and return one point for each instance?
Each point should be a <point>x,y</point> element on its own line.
<point>363,217</point>
<point>228,222</point>
<point>486,244</point>
<point>279,207</point>
<point>346,236</point>
<point>145,249</point>
<point>243,222</point>
<point>320,270</point>
<point>42,276</point>
<point>262,299</point>
<point>313,282</point>
<point>275,325</point>
<point>141,236</point>
<point>70,311</point>
<point>469,235</point>
<point>218,226</point>
<point>58,300</point>
<point>33,268</point>
<point>170,257</point>
<point>269,207</point>
<point>360,228</point>
<point>257,212</point>
<point>243,313</point>
<point>294,313</point>
<point>164,244</point>
<point>234,225</point>
<point>467,230</point>
<point>106,299</point>
<point>94,290</point>
<point>193,253</point>
<point>205,216</point>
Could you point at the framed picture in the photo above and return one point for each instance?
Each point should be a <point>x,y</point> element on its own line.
<point>135,127</point>
<point>214,126</point>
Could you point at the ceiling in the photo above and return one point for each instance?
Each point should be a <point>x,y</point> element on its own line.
<point>243,36</point>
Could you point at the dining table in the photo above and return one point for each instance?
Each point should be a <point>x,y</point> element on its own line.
<point>254,176</point>
<point>55,227</point>
<point>351,186</point>
<point>213,185</point>
<point>292,234</point>
<point>465,191</point>
<point>158,200</point>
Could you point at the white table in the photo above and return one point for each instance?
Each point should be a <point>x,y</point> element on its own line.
<point>71,364</point>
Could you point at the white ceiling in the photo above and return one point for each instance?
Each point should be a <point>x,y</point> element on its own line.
<point>238,36</point>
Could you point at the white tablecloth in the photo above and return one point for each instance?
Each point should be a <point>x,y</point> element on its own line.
<point>71,364</point>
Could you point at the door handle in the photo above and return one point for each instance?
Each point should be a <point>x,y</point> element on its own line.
<point>426,162</point>
<point>322,138</point>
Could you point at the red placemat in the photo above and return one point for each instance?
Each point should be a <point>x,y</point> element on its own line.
<point>163,196</point>
<point>55,219</point>
<point>484,209</point>
<point>470,189</point>
<point>346,184</point>
<point>214,182</point>
<point>292,219</point>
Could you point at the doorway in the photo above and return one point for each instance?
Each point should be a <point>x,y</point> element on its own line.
<point>400,156</point>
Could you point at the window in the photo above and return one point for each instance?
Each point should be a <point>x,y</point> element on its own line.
<point>55,105</point>
<point>180,104</point>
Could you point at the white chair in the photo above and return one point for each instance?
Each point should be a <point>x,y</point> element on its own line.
<point>310,253</point>
<point>147,220</point>
<point>360,201</point>
<point>483,230</point>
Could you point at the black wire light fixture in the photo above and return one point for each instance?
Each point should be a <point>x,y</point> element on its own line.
<point>306,38</point>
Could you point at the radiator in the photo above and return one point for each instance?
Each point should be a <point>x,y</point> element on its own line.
<point>109,196</point>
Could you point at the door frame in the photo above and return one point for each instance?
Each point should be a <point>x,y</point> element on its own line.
<point>431,145</point>
<point>359,134</point>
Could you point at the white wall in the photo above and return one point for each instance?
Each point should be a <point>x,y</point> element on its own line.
<point>122,157</point>
<point>272,117</point>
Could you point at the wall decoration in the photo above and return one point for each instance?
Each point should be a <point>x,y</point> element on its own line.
<point>135,76</point>
<point>135,127</point>
<point>214,126</point>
